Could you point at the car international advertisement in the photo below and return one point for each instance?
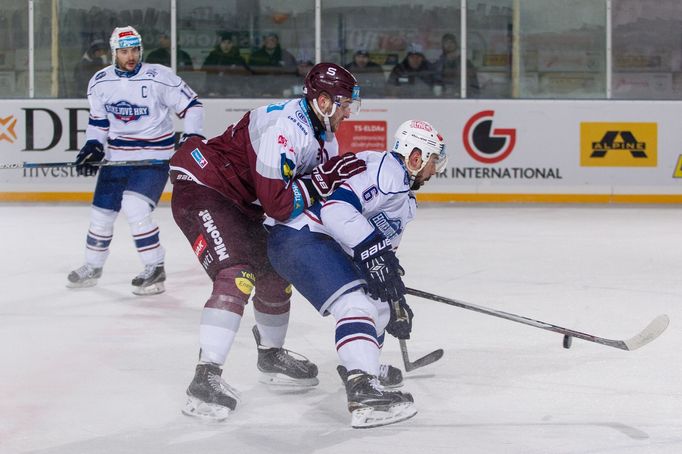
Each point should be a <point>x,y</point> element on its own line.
<point>499,150</point>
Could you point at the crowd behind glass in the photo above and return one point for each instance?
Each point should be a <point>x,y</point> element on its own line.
<point>262,49</point>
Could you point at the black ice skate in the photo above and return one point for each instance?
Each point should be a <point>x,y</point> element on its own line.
<point>150,281</point>
<point>371,405</point>
<point>279,366</point>
<point>85,276</point>
<point>208,396</point>
<point>389,376</point>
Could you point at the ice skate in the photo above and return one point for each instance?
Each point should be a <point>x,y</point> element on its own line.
<point>85,276</point>
<point>389,376</point>
<point>208,396</point>
<point>279,366</point>
<point>372,406</point>
<point>150,281</point>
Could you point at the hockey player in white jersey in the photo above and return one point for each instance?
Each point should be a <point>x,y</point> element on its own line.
<point>340,256</point>
<point>130,107</point>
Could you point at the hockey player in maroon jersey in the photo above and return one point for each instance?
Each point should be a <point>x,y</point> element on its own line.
<point>276,160</point>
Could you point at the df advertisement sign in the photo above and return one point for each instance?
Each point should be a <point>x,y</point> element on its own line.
<point>618,144</point>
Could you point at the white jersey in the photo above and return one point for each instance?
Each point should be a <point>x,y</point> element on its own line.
<point>377,199</point>
<point>131,115</point>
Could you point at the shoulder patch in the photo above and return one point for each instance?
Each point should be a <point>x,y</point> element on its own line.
<point>100,75</point>
<point>287,167</point>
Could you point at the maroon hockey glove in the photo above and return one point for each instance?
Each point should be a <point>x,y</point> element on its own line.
<point>328,176</point>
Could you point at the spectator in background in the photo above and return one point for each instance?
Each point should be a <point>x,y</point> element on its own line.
<point>448,69</point>
<point>370,75</point>
<point>225,60</point>
<point>94,59</point>
<point>273,57</point>
<point>413,77</point>
<point>162,55</point>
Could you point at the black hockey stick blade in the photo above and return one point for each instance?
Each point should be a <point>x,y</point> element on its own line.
<point>420,362</point>
<point>654,329</point>
<point>39,165</point>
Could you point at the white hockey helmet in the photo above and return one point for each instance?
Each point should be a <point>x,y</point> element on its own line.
<point>420,134</point>
<point>124,37</point>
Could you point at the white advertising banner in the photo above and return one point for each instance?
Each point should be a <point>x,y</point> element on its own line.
<point>520,148</point>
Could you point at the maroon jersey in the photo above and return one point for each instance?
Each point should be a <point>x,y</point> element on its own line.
<point>259,162</point>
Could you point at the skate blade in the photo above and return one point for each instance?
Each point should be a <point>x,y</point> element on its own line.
<point>205,411</point>
<point>368,417</point>
<point>284,381</point>
<point>85,284</point>
<point>153,289</point>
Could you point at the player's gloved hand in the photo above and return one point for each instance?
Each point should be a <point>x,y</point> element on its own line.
<point>92,151</point>
<point>400,324</point>
<point>328,176</point>
<point>185,137</point>
<point>381,267</point>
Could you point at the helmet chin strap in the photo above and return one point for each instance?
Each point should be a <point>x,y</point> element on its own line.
<point>325,117</point>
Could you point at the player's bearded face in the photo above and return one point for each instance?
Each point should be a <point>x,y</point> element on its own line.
<point>127,58</point>
<point>343,111</point>
<point>425,174</point>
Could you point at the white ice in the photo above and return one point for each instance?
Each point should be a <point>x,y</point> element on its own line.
<point>103,371</point>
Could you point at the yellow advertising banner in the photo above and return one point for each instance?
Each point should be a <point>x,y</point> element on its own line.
<point>618,144</point>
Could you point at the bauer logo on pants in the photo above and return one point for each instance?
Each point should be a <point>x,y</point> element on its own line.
<point>618,144</point>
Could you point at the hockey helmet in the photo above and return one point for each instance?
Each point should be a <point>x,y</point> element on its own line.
<point>420,134</point>
<point>124,37</point>
<point>334,80</point>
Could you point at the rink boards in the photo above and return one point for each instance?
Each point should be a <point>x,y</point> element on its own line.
<point>499,150</point>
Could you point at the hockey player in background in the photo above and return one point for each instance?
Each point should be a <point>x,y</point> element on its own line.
<point>221,190</point>
<point>340,256</point>
<point>130,107</point>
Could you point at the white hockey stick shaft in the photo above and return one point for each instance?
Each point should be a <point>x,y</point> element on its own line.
<point>654,329</point>
<point>38,165</point>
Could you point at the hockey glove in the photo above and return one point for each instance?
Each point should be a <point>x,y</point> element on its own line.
<point>381,268</point>
<point>328,176</point>
<point>92,151</point>
<point>185,137</point>
<point>400,324</point>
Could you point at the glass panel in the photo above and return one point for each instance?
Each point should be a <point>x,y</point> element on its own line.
<point>489,51</point>
<point>14,49</point>
<point>383,33</point>
<point>84,28</point>
<point>647,49</point>
<point>563,49</point>
<point>246,48</point>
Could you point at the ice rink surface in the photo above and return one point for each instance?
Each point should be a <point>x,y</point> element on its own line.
<point>101,370</point>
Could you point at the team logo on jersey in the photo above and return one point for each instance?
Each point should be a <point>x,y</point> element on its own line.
<point>151,72</point>
<point>7,125</point>
<point>126,112</point>
<point>389,227</point>
<point>199,158</point>
<point>301,116</point>
<point>287,168</point>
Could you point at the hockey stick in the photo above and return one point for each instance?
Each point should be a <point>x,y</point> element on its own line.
<point>420,362</point>
<point>648,334</point>
<point>38,165</point>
